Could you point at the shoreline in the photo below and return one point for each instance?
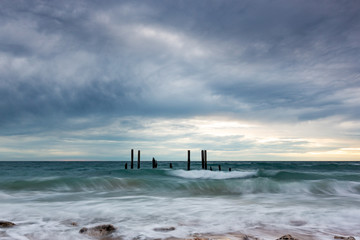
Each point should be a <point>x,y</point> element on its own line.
<point>240,236</point>
<point>109,232</point>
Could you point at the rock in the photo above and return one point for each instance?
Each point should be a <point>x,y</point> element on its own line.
<point>111,238</point>
<point>246,237</point>
<point>201,238</point>
<point>6,224</point>
<point>70,223</point>
<point>229,236</point>
<point>344,238</point>
<point>98,231</point>
<point>287,237</point>
<point>164,229</point>
<point>297,223</point>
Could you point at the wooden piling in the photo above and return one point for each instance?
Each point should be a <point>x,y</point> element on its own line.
<point>154,163</point>
<point>210,168</point>
<point>229,169</point>
<point>219,167</point>
<point>125,165</point>
<point>171,165</point>
<point>205,159</point>
<point>188,164</point>
<point>138,159</point>
<point>132,159</point>
<point>202,160</point>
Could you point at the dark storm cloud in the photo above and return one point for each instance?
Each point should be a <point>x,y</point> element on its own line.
<point>61,60</point>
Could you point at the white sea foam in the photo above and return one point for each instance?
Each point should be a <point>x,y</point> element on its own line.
<point>138,216</point>
<point>202,174</point>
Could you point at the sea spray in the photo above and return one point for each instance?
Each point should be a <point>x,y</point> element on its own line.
<point>203,174</point>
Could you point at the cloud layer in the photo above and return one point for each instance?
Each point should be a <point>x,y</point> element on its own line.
<point>104,73</point>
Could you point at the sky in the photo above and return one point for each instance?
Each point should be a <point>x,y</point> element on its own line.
<point>246,80</point>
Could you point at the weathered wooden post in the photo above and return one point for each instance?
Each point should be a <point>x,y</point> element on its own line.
<point>138,159</point>
<point>125,165</point>
<point>171,165</point>
<point>205,159</point>
<point>153,163</point>
<point>132,159</point>
<point>210,168</point>
<point>188,164</point>
<point>229,169</point>
<point>219,167</point>
<point>202,160</point>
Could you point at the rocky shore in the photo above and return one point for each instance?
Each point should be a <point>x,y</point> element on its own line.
<point>105,232</point>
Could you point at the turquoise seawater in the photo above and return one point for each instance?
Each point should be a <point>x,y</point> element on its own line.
<point>321,199</point>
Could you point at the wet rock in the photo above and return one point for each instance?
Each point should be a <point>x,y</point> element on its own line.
<point>229,236</point>
<point>69,223</point>
<point>287,237</point>
<point>111,238</point>
<point>297,223</point>
<point>201,238</point>
<point>6,224</point>
<point>225,237</point>
<point>164,229</point>
<point>98,231</point>
<point>344,238</point>
<point>246,237</point>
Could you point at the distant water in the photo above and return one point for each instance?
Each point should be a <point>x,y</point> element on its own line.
<point>259,198</point>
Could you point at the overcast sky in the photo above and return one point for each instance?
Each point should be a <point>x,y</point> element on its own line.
<point>246,80</point>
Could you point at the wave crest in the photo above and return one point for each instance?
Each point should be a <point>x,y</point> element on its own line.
<point>202,174</point>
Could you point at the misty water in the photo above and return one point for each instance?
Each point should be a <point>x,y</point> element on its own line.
<point>263,199</point>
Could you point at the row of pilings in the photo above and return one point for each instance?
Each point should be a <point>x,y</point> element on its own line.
<point>132,160</point>
<point>155,163</point>
<point>203,160</point>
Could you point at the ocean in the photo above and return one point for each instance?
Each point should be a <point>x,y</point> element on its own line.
<point>262,199</point>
